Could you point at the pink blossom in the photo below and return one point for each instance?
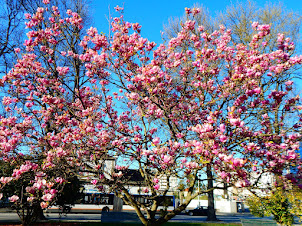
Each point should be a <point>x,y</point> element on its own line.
<point>159,113</point>
<point>59,180</point>
<point>180,135</point>
<point>223,138</point>
<point>156,187</point>
<point>153,130</point>
<point>13,198</point>
<point>188,11</point>
<point>94,182</point>
<point>156,141</point>
<point>7,100</point>
<point>30,199</point>
<point>195,11</point>
<point>44,205</point>
<point>272,163</point>
<point>30,190</point>
<point>242,183</point>
<point>155,180</point>
<point>39,184</point>
<point>236,162</point>
<point>255,25</point>
<point>69,12</point>
<point>5,180</point>
<point>222,128</point>
<point>223,174</point>
<point>47,197</point>
<point>63,70</point>
<point>118,8</point>
<point>133,96</point>
<point>53,191</point>
<point>257,90</point>
<point>235,121</point>
<point>168,159</point>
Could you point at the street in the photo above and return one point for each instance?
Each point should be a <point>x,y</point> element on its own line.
<point>6,217</point>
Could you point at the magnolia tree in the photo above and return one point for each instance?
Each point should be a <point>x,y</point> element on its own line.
<point>168,111</point>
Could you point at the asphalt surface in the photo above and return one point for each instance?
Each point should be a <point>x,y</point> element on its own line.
<point>11,217</point>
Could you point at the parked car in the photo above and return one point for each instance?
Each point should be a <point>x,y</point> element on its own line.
<point>198,211</point>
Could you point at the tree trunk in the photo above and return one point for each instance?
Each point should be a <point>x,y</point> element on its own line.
<point>39,213</point>
<point>31,214</point>
<point>211,206</point>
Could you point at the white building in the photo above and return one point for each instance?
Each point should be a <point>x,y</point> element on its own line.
<point>163,183</point>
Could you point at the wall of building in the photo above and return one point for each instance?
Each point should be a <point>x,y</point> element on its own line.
<point>222,206</point>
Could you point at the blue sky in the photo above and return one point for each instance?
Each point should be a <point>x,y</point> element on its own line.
<point>153,14</point>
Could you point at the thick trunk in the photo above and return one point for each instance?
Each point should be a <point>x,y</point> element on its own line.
<point>164,219</point>
<point>39,213</point>
<point>211,206</point>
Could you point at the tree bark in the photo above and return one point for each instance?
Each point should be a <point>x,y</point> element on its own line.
<point>211,205</point>
<point>39,213</point>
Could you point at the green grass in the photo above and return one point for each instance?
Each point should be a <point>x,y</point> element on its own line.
<point>53,223</point>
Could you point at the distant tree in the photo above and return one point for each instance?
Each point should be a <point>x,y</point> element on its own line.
<point>239,18</point>
<point>283,203</point>
<point>174,25</point>
<point>11,32</point>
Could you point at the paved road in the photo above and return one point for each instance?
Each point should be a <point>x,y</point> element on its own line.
<point>13,217</point>
<point>6,217</point>
<point>9,217</point>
